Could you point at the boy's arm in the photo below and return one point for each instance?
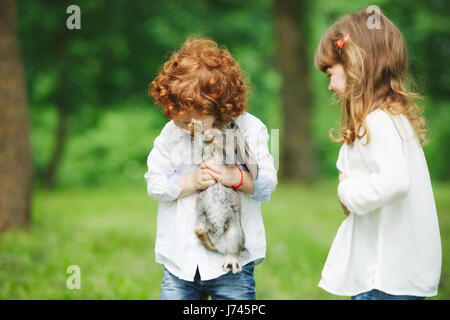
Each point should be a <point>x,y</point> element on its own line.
<point>186,185</point>
<point>192,181</point>
<point>267,180</point>
<point>230,176</point>
<point>159,186</point>
<point>261,188</point>
<point>248,185</point>
<point>184,182</point>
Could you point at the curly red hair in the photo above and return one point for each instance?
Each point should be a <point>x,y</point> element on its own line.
<point>200,77</point>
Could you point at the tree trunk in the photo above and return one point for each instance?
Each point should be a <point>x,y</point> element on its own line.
<point>15,153</point>
<point>298,161</point>
<point>63,103</point>
<point>50,171</point>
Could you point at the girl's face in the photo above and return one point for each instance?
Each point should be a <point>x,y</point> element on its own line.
<point>336,74</point>
<point>183,123</point>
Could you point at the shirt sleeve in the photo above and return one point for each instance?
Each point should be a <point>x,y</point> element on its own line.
<point>267,181</point>
<point>161,177</point>
<point>173,176</point>
<point>389,174</point>
<point>263,187</point>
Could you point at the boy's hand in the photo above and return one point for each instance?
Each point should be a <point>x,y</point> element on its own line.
<point>228,176</point>
<point>201,178</point>
<point>342,176</point>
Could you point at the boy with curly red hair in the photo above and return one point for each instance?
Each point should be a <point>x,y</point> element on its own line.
<point>204,82</point>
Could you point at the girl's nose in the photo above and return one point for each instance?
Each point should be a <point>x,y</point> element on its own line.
<point>330,88</point>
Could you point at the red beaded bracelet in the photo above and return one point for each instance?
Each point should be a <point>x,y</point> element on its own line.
<point>240,183</point>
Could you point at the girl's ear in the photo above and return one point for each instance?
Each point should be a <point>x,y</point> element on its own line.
<point>244,155</point>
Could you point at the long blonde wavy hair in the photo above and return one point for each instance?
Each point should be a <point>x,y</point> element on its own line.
<point>376,69</point>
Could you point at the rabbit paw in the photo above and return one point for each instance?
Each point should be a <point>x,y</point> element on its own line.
<point>232,263</point>
<point>195,126</point>
<point>208,136</point>
<point>202,235</point>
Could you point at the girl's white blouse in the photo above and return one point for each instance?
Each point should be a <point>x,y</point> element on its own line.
<point>177,247</point>
<point>390,241</point>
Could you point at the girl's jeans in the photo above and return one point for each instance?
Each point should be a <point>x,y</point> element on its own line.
<point>239,286</point>
<point>380,295</point>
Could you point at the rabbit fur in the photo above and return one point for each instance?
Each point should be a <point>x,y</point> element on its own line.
<point>218,207</point>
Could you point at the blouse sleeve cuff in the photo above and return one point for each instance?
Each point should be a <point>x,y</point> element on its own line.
<point>344,197</point>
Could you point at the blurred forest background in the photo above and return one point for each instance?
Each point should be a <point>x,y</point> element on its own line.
<point>77,123</point>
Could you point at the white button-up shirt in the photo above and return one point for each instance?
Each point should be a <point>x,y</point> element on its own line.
<point>177,247</point>
<point>390,241</point>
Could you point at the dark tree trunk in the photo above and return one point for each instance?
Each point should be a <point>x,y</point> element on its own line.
<point>15,153</point>
<point>61,98</point>
<point>50,171</point>
<point>298,161</point>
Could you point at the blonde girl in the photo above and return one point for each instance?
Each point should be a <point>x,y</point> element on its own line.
<point>389,245</point>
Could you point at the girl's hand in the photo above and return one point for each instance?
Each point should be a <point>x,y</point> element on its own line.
<point>342,177</point>
<point>228,176</point>
<point>346,212</point>
<point>201,178</point>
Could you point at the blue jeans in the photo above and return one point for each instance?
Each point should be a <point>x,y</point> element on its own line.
<point>239,286</point>
<point>380,295</point>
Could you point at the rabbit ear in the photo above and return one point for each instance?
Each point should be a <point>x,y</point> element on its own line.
<point>244,155</point>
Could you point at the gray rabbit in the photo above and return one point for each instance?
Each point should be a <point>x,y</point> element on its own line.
<point>218,207</point>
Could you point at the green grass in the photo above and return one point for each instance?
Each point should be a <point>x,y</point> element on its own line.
<point>110,235</point>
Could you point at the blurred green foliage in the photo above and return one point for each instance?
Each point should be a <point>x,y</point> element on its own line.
<point>103,70</point>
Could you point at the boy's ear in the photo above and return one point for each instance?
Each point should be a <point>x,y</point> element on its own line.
<point>244,155</point>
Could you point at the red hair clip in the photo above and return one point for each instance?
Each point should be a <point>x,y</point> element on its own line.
<point>340,42</point>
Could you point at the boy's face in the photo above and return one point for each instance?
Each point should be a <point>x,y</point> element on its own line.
<point>207,121</point>
<point>336,74</point>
